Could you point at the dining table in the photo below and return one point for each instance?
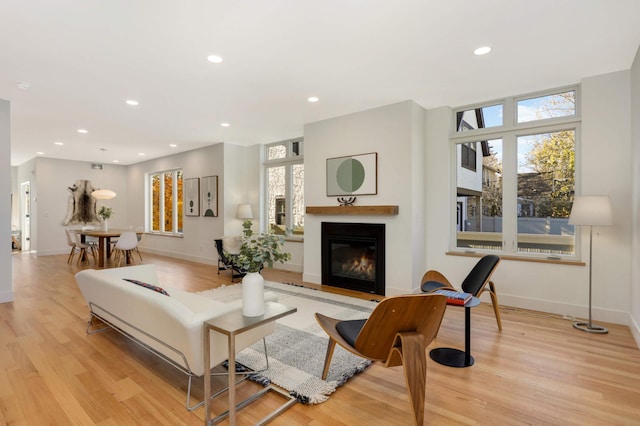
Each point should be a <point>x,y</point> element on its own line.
<point>104,241</point>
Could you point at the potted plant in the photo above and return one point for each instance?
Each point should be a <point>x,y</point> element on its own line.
<point>255,253</point>
<point>105,214</point>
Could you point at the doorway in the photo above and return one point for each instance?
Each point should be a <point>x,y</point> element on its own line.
<point>25,215</point>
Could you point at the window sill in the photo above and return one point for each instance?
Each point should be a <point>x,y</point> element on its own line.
<point>164,234</point>
<point>520,258</point>
<point>294,239</point>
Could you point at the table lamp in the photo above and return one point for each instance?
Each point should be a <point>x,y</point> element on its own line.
<point>591,211</point>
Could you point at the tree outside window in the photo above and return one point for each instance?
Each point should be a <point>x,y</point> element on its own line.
<point>166,213</point>
<point>538,143</point>
<point>284,188</point>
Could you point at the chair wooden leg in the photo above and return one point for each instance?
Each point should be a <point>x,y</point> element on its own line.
<point>80,255</point>
<point>494,302</point>
<point>327,360</point>
<point>412,352</point>
<point>71,254</point>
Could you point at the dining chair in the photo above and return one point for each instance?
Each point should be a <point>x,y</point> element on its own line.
<point>85,249</point>
<point>139,231</point>
<point>127,242</point>
<point>397,332</point>
<point>71,242</point>
<point>476,282</point>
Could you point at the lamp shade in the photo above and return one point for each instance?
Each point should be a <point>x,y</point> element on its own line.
<point>103,194</point>
<point>244,211</point>
<point>591,210</point>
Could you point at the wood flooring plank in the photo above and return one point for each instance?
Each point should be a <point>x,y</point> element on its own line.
<point>538,370</point>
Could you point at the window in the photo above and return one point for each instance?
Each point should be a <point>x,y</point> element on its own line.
<point>468,152</point>
<point>284,171</point>
<point>519,196</point>
<point>165,202</point>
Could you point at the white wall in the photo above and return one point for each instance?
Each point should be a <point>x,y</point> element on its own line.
<point>50,179</point>
<point>196,243</point>
<point>634,311</point>
<point>6,289</point>
<point>604,168</point>
<point>395,132</point>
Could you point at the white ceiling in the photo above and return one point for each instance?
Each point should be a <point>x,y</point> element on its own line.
<point>84,58</point>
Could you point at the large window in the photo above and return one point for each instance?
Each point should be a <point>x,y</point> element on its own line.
<point>285,187</point>
<point>165,202</point>
<point>519,196</point>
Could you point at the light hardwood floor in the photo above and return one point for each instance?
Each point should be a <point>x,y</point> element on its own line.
<point>538,370</point>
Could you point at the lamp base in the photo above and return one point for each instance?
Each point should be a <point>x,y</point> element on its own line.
<point>590,328</point>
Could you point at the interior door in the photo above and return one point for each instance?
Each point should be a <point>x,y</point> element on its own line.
<point>25,222</point>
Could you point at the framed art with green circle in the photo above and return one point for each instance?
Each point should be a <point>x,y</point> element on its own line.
<point>352,175</point>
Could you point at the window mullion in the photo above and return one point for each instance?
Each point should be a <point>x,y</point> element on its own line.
<point>509,193</point>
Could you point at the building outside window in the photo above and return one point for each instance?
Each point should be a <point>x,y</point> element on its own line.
<point>284,177</point>
<point>165,213</point>
<point>519,197</point>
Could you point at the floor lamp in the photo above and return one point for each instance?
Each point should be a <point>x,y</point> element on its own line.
<point>591,211</point>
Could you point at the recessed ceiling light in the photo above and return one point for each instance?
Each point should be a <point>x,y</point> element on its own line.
<point>173,145</point>
<point>225,124</point>
<point>132,102</point>
<point>40,153</point>
<point>83,131</point>
<point>482,50</point>
<point>141,154</point>
<point>214,58</point>
<point>23,85</point>
<point>59,143</point>
<point>116,161</point>
<point>313,99</point>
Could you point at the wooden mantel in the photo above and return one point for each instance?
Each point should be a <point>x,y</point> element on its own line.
<point>353,210</point>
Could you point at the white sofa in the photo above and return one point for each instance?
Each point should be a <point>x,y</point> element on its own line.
<point>170,326</point>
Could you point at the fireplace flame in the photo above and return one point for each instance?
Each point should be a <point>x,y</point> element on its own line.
<point>362,267</point>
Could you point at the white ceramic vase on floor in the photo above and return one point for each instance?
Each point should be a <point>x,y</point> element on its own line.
<point>252,295</point>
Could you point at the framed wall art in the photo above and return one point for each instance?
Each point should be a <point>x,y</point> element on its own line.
<point>209,196</point>
<point>192,197</point>
<point>352,175</point>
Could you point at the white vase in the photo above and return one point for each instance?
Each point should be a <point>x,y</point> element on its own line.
<point>252,295</point>
<point>105,225</point>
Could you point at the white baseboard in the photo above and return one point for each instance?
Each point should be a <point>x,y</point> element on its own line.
<point>182,256</point>
<point>312,278</point>
<point>635,330</point>
<point>6,296</point>
<point>559,308</point>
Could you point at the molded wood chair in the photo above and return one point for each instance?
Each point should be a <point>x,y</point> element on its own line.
<point>475,283</point>
<point>397,332</point>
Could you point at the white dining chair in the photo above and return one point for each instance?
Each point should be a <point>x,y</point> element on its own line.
<point>127,243</point>
<point>71,242</point>
<point>85,248</point>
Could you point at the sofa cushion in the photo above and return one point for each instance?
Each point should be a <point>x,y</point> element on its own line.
<point>147,285</point>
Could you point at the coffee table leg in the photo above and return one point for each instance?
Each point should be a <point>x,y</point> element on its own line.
<point>467,336</point>
<point>232,379</point>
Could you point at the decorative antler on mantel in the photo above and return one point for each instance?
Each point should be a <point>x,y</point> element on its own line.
<point>346,201</point>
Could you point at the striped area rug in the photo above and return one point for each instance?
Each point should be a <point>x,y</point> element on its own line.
<point>298,346</point>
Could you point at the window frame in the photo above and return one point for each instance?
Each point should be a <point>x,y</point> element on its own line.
<point>288,162</point>
<point>175,200</point>
<point>509,132</point>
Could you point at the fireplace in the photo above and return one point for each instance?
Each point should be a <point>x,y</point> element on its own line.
<point>353,256</point>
